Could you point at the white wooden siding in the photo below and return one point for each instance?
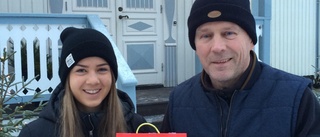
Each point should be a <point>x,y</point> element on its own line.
<point>293,30</point>
<point>24,6</point>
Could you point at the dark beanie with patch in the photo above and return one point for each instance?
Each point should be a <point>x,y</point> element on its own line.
<point>236,11</point>
<point>78,44</point>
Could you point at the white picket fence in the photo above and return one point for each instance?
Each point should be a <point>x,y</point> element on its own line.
<point>25,40</point>
<point>35,39</point>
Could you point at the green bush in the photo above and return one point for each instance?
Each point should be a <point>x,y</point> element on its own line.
<point>12,116</point>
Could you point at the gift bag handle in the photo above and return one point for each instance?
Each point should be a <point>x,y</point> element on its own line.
<point>149,124</point>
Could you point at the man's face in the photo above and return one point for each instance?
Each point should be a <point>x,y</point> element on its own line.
<point>224,51</point>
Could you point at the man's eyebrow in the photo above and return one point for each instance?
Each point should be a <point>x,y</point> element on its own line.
<point>203,29</point>
<point>99,65</point>
<point>230,27</point>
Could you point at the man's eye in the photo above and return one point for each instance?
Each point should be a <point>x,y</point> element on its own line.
<point>206,36</point>
<point>230,35</point>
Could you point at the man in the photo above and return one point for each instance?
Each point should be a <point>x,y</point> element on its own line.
<point>236,95</point>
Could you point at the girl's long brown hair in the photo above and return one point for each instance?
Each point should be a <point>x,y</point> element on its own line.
<point>113,121</point>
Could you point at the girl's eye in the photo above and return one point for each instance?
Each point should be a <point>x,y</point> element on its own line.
<point>81,71</point>
<point>103,70</point>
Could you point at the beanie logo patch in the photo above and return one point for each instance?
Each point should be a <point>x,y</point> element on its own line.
<point>214,14</point>
<point>69,60</point>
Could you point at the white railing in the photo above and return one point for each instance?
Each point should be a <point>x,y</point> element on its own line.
<point>35,47</point>
<point>35,39</point>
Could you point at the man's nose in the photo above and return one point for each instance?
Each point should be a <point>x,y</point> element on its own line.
<point>217,44</point>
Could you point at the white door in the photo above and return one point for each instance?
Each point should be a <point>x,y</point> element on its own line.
<point>140,38</point>
<point>103,8</point>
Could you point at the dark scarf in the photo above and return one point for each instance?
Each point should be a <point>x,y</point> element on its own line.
<point>241,84</point>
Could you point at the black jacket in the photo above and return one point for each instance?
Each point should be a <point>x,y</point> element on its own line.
<point>47,125</point>
<point>244,110</point>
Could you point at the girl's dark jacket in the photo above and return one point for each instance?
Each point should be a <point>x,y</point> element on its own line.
<point>47,125</point>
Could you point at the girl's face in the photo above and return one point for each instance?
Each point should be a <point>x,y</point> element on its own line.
<point>90,83</point>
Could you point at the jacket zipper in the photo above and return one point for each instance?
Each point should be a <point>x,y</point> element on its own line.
<point>221,115</point>
<point>91,131</point>
<point>228,116</point>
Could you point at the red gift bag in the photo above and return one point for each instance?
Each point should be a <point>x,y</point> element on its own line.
<point>158,134</point>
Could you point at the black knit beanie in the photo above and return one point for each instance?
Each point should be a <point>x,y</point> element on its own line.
<point>236,11</point>
<point>78,44</point>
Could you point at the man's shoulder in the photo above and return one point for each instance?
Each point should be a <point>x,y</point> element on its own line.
<point>272,72</point>
<point>283,78</point>
<point>190,83</point>
<point>188,89</point>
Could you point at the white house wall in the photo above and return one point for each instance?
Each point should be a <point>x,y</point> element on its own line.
<point>293,30</point>
<point>24,6</point>
<point>185,54</point>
